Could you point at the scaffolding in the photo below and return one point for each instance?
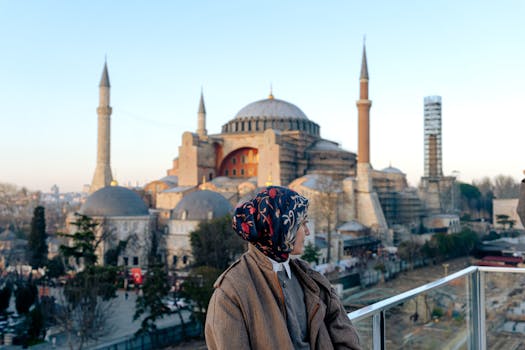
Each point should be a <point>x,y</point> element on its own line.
<point>433,155</point>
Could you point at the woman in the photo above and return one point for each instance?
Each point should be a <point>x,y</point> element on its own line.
<point>266,300</point>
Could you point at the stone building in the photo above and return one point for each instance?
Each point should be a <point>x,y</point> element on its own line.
<point>197,206</point>
<point>122,216</point>
<point>400,203</point>
<point>270,140</point>
<point>12,249</point>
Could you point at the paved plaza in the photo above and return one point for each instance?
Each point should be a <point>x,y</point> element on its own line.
<point>120,321</point>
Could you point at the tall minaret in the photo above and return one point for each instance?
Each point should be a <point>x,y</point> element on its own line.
<point>368,207</point>
<point>201,127</point>
<point>363,109</point>
<point>103,177</point>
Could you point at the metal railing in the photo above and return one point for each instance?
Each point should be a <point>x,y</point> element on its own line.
<point>464,325</point>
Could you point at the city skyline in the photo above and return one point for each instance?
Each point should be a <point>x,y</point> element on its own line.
<point>161,55</point>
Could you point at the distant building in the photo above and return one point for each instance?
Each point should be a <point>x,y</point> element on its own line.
<point>506,207</point>
<point>12,249</point>
<point>198,206</point>
<point>433,154</point>
<point>438,193</point>
<point>442,223</point>
<point>401,203</point>
<point>122,216</point>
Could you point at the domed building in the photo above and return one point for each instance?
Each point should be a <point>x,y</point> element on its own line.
<point>195,207</point>
<point>271,140</point>
<point>122,216</point>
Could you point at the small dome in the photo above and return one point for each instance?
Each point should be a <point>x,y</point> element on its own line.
<point>271,108</point>
<point>325,145</point>
<point>201,205</point>
<point>392,170</point>
<point>114,201</point>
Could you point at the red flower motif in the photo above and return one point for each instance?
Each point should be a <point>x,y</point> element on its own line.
<point>245,227</point>
<point>252,210</point>
<point>272,192</point>
<point>270,226</point>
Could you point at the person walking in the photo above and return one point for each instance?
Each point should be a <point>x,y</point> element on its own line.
<point>267,300</point>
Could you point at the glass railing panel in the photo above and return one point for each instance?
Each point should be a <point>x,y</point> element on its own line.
<point>365,330</point>
<point>504,309</point>
<point>436,319</point>
<point>438,315</point>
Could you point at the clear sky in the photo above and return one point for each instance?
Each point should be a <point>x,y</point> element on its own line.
<point>160,54</point>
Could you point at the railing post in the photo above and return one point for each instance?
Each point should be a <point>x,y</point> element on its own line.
<point>378,331</point>
<point>478,338</point>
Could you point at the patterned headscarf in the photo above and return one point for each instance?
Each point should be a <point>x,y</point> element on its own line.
<point>270,221</point>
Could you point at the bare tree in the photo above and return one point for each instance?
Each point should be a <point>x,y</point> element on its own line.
<point>506,187</point>
<point>324,208</point>
<point>16,207</point>
<point>87,296</point>
<point>84,311</point>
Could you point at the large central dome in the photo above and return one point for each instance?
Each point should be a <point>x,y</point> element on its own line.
<point>270,113</point>
<point>271,108</point>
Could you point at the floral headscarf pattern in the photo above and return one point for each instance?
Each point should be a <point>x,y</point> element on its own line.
<point>270,221</point>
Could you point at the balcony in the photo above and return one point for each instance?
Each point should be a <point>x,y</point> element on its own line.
<point>475,308</point>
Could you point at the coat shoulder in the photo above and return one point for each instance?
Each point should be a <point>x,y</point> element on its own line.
<point>235,272</point>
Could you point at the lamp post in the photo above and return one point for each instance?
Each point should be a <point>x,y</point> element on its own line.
<point>445,266</point>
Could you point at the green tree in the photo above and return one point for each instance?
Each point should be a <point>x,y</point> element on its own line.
<point>311,253</point>
<point>215,244</point>
<point>55,267</point>
<point>151,303</point>
<point>199,288</point>
<point>5,297</point>
<point>26,294</point>
<point>505,221</point>
<point>37,243</point>
<point>84,241</point>
<point>156,289</point>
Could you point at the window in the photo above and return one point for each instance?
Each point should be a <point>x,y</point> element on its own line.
<point>175,259</point>
<point>234,172</point>
<point>135,260</point>
<point>234,160</point>
<point>185,259</point>
<point>126,261</point>
<point>243,159</point>
<point>242,172</point>
<point>226,172</point>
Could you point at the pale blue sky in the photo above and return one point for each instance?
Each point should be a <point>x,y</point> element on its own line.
<point>160,53</point>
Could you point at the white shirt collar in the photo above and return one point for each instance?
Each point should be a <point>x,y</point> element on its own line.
<point>279,266</point>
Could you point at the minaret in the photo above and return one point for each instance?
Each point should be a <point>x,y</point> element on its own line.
<point>363,109</point>
<point>368,207</point>
<point>103,177</point>
<point>201,127</point>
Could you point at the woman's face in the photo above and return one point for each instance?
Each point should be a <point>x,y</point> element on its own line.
<point>302,232</point>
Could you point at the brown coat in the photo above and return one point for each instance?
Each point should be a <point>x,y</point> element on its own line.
<point>247,309</point>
